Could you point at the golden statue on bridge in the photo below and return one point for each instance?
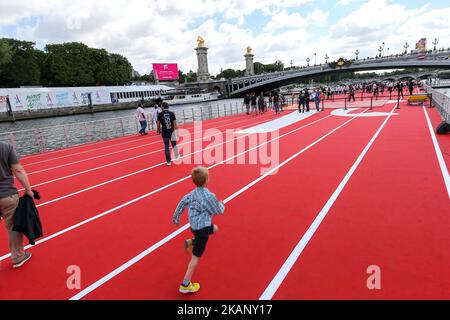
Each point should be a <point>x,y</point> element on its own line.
<point>201,41</point>
<point>249,50</point>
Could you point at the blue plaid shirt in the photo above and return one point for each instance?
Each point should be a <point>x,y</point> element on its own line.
<point>202,205</point>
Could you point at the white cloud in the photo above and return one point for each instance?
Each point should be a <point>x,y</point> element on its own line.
<point>166,30</point>
<point>344,2</point>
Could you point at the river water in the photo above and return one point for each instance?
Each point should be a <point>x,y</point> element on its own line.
<point>48,122</point>
<point>47,134</point>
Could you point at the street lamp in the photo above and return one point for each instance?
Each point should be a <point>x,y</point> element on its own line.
<point>380,49</point>
<point>406,46</point>
<point>435,42</point>
<point>357,54</point>
<point>383,48</point>
<point>388,52</point>
<point>308,60</point>
<point>292,63</point>
<point>315,59</point>
<point>326,58</point>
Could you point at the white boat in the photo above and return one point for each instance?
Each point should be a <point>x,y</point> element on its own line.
<point>177,97</point>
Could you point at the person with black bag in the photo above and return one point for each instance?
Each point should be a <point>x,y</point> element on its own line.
<point>9,200</point>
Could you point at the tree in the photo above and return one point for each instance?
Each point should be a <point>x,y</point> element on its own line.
<point>181,77</point>
<point>191,77</point>
<point>69,65</point>
<point>259,68</point>
<point>5,53</point>
<point>146,77</point>
<point>75,64</point>
<point>227,74</point>
<point>22,68</point>
<point>122,68</point>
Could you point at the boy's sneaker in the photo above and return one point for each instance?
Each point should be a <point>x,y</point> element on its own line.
<point>189,245</point>
<point>26,257</point>
<point>168,164</point>
<point>191,288</point>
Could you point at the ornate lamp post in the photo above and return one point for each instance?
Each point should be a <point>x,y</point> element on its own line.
<point>326,58</point>
<point>292,63</point>
<point>435,42</point>
<point>406,46</point>
<point>315,60</point>
<point>307,61</point>
<point>383,48</point>
<point>357,54</point>
<point>380,49</point>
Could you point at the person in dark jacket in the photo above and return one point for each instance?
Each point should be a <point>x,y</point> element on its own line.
<point>261,103</point>
<point>247,103</point>
<point>301,102</point>
<point>411,87</point>
<point>9,200</point>
<point>307,97</point>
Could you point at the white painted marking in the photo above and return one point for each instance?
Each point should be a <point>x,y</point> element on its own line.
<point>141,256</point>
<point>346,113</point>
<point>441,160</point>
<point>291,260</point>
<point>118,162</point>
<point>111,153</point>
<point>279,123</point>
<point>158,190</point>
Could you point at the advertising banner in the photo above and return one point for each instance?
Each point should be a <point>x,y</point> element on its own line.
<point>34,101</point>
<point>165,71</point>
<point>3,106</point>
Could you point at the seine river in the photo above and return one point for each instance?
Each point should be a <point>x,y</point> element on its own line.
<point>47,134</point>
<point>48,122</point>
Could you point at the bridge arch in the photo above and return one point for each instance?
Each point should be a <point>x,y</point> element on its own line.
<point>269,82</point>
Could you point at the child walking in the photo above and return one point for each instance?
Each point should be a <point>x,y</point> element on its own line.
<point>202,205</point>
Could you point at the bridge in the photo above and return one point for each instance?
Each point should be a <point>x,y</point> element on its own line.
<point>270,81</point>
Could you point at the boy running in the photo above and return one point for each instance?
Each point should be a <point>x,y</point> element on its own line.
<point>202,205</point>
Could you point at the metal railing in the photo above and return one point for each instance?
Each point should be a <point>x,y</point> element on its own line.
<point>38,140</point>
<point>442,103</point>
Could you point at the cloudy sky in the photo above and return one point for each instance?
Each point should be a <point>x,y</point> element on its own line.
<point>148,31</point>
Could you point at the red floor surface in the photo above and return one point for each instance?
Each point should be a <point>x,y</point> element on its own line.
<point>392,213</point>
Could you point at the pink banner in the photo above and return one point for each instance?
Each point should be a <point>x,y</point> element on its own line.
<point>165,71</point>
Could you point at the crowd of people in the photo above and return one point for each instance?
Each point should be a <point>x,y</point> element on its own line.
<point>375,88</point>
<point>275,100</point>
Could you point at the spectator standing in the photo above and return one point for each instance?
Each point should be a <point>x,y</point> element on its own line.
<point>9,200</point>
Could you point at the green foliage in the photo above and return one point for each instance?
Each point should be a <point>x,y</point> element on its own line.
<point>146,77</point>
<point>21,66</point>
<point>191,77</point>
<point>259,69</point>
<point>67,64</point>
<point>5,53</point>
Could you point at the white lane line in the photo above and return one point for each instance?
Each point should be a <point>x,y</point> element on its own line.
<point>117,152</point>
<point>142,255</point>
<point>291,260</point>
<point>279,123</point>
<point>160,189</point>
<point>101,148</point>
<point>439,155</point>
<point>26,157</point>
<point>121,161</point>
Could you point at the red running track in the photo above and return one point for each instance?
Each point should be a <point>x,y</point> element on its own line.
<point>392,213</point>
